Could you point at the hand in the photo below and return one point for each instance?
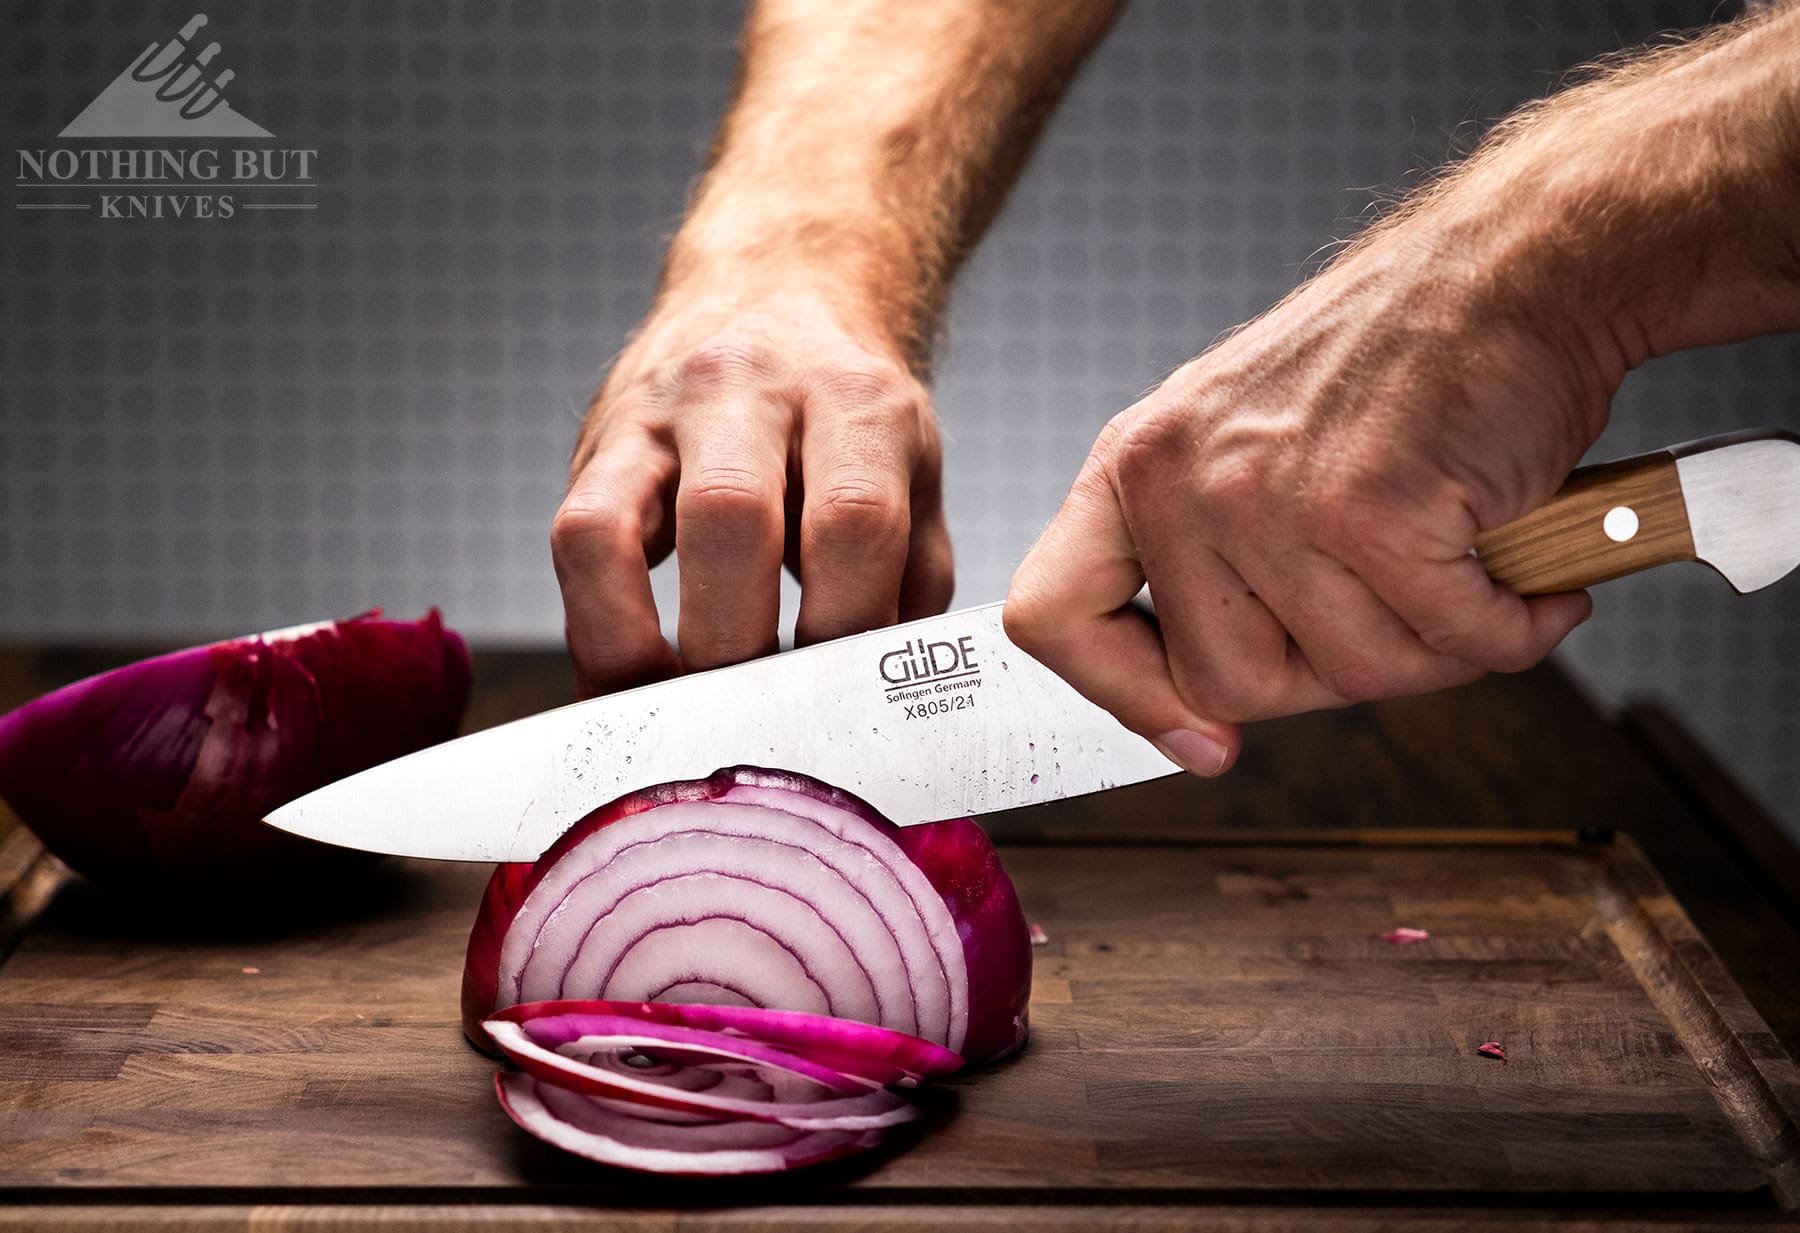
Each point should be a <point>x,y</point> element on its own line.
<point>1303,498</point>
<point>739,434</point>
<point>1303,501</point>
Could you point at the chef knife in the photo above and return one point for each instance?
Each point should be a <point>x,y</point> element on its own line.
<point>945,717</point>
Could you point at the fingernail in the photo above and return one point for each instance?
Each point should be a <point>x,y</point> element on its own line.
<point>1194,751</point>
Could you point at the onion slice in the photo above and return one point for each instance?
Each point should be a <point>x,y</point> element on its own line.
<point>874,1055</point>
<point>764,889</point>
<point>657,1065</point>
<point>604,1132</point>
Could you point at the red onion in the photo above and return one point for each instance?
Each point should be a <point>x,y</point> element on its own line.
<point>164,769</point>
<point>766,889</point>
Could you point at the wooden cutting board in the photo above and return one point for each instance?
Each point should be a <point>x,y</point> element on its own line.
<point>1215,1025</point>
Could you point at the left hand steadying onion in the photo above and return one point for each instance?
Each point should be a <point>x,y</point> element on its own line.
<point>159,773</point>
<point>818,954</point>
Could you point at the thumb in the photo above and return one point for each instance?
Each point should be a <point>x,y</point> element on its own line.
<point>1069,607</point>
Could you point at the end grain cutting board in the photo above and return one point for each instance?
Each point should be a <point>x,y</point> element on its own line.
<point>1213,1022</point>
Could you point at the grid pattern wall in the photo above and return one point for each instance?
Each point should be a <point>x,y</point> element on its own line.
<point>209,426</point>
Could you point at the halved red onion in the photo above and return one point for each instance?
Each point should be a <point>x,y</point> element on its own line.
<point>692,1071</point>
<point>162,770</point>
<point>757,888</point>
<point>643,1139</point>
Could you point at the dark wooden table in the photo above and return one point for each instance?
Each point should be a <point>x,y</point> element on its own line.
<point>1218,1036</point>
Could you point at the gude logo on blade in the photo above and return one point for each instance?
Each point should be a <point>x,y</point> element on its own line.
<point>216,162</point>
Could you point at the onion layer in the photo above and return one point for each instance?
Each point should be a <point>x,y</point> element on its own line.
<point>763,889</point>
<point>869,1055</point>
<point>654,1066</point>
<point>165,768</point>
<point>627,1139</point>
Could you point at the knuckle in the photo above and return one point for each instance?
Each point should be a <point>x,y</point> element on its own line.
<point>856,513</point>
<point>616,660</point>
<point>874,383</point>
<point>1233,689</point>
<point>1235,492</point>
<point>1143,450</point>
<point>728,512</point>
<point>1347,523</point>
<point>1369,538</point>
<point>1029,619</point>
<point>1357,680</point>
<point>1482,648</point>
<point>576,528</point>
<point>1444,640</point>
<point>731,500</point>
<point>1237,697</point>
<point>727,362</point>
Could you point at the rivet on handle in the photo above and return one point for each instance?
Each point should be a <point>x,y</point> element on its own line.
<point>1620,523</point>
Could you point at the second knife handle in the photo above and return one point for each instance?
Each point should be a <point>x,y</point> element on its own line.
<point>1607,521</point>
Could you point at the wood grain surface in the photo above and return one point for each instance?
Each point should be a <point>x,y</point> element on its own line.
<point>1210,1020</point>
<point>1218,1035</point>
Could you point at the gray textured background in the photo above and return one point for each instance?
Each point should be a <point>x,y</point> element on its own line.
<point>207,428</point>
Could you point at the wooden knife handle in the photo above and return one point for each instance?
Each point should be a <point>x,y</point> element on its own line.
<point>1607,521</point>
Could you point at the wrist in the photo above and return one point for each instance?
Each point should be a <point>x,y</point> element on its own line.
<point>1648,214</point>
<point>850,263</point>
<point>760,297</point>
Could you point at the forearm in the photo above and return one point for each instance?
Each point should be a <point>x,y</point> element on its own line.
<point>1653,208</point>
<point>869,145</point>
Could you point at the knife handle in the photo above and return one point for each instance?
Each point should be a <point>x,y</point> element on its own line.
<point>1608,521</point>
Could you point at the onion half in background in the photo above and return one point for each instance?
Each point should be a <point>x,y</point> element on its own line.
<point>159,773</point>
<point>766,889</point>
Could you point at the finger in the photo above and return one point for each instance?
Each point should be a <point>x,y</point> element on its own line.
<point>1229,655</point>
<point>859,444</point>
<point>930,577</point>
<point>1069,608</point>
<point>728,525</point>
<point>1351,646</point>
<point>1458,611</point>
<point>597,545</point>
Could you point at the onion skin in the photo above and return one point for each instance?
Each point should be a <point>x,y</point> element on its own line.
<point>158,774</point>
<point>963,867</point>
<point>956,857</point>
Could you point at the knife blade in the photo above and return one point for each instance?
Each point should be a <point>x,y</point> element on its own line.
<point>945,717</point>
<point>934,719</point>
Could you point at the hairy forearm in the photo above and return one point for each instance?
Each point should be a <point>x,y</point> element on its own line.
<point>1653,207</point>
<point>869,145</point>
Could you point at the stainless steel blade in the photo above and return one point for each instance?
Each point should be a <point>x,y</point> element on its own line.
<point>934,719</point>
<point>1743,505</point>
